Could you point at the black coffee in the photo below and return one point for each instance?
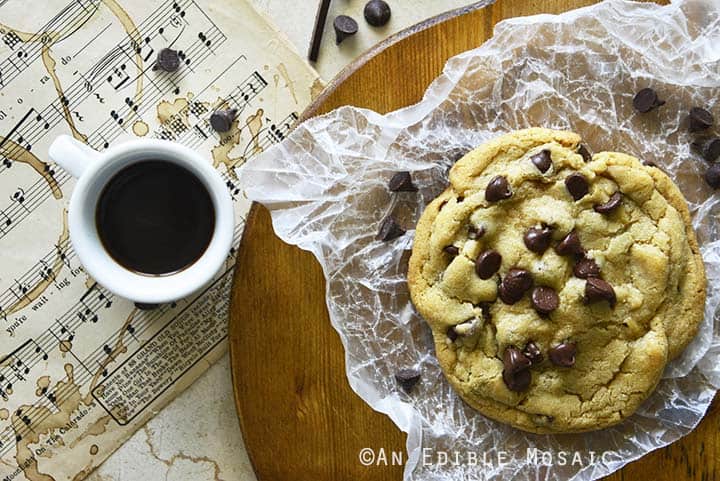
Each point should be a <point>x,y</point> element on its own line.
<point>155,217</point>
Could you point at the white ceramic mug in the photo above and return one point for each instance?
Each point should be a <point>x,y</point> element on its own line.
<point>94,170</point>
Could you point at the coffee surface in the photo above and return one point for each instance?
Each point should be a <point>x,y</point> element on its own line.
<point>155,217</point>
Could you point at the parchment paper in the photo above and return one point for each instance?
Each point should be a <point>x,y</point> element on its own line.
<point>326,187</point>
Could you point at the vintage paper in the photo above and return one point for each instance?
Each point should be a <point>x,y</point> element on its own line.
<point>80,369</point>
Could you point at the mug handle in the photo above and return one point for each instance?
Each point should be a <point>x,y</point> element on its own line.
<point>72,155</point>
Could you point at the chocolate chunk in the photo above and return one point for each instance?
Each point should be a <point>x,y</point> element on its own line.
<point>517,382</point>
<point>407,378</point>
<point>542,161</point>
<point>570,245</point>
<point>585,268</point>
<point>709,148</point>
<point>712,176</point>
<point>532,352</point>
<point>597,289</point>
<point>344,27</point>
<point>451,333</point>
<point>487,263</point>
<point>544,299</point>
<point>609,206</point>
<point>498,189</point>
<point>577,185</point>
<point>390,229</point>
<point>452,250</point>
<point>475,232</point>
<point>538,239</point>
<point>402,182</point>
<point>584,153</point>
<point>646,100</point>
<point>700,119</point>
<point>514,360</point>
<point>221,120</point>
<point>167,60</point>
<point>514,285</point>
<point>377,13</point>
<point>563,354</point>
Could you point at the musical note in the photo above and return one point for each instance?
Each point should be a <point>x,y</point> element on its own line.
<point>118,73</point>
<point>6,162</point>
<point>11,39</point>
<point>39,350</point>
<point>61,252</point>
<point>22,289</point>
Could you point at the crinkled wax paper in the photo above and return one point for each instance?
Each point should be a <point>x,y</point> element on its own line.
<point>326,188</point>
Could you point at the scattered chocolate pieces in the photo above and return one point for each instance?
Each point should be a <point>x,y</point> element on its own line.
<point>516,373</point>
<point>609,206</point>
<point>452,250</point>
<point>377,13</point>
<point>570,245</point>
<point>344,27</point>
<point>487,264</point>
<point>709,148</point>
<point>537,239</point>
<point>646,100</point>
<point>544,299</point>
<point>585,268</point>
<point>407,378</point>
<point>577,185</point>
<point>542,161</point>
<point>451,333</point>
<point>597,290</point>
<point>563,354</point>
<point>532,352</point>
<point>221,120</point>
<point>498,189</point>
<point>402,182</point>
<point>167,60</point>
<point>514,285</point>
<point>475,232</point>
<point>584,153</point>
<point>390,229</point>
<point>700,119</point>
<point>712,176</point>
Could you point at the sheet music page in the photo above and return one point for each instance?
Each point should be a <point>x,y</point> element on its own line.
<point>81,369</point>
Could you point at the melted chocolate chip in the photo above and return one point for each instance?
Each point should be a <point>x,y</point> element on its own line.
<point>407,378</point>
<point>451,333</point>
<point>577,185</point>
<point>563,354</point>
<point>597,290</point>
<point>514,285</point>
<point>517,382</point>
<point>485,308</point>
<point>514,360</point>
<point>585,268</point>
<point>498,189</point>
<point>402,182</point>
<point>609,206</point>
<point>646,100</point>
<point>538,239</point>
<point>542,161</point>
<point>475,232</point>
<point>700,119</point>
<point>584,153</point>
<point>570,245</point>
<point>544,299</point>
<point>487,264</point>
<point>452,250</point>
<point>390,229</point>
<point>532,352</point>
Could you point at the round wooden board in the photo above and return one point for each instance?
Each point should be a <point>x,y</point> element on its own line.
<point>299,417</point>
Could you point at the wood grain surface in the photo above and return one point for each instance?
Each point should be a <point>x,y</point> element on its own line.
<point>299,417</point>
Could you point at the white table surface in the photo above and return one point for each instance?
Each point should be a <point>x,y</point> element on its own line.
<point>197,436</point>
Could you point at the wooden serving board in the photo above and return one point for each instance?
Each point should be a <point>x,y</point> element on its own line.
<point>299,417</point>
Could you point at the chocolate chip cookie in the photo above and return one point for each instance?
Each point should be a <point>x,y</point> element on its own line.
<point>557,284</point>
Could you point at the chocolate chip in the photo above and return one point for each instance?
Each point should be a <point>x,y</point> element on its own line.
<point>585,268</point>
<point>452,250</point>
<point>542,161</point>
<point>402,182</point>
<point>650,163</point>
<point>485,308</point>
<point>544,299</point>
<point>577,185</point>
<point>468,328</point>
<point>517,382</point>
<point>584,153</point>
<point>514,360</point>
<point>597,289</point>
<point>221,120</point>
<point>712,176</point>
<point>344,27</point>
<point>451,333</point>
<point>377,13</point>
<point>487,264</point>
<point>609,206</point>
<point>700,119</point>
<point>475,232</point>
<point>167,60</point>
<point>514,285</point>
<point>407,378</point>
<point>646,100</point>
<point>563,354</point>
<point>570,245</point>
<point>537,239</point>
<point>709,148</point>
<point>390,229</point>
<point>532,352</point>
<point>498,189</point>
